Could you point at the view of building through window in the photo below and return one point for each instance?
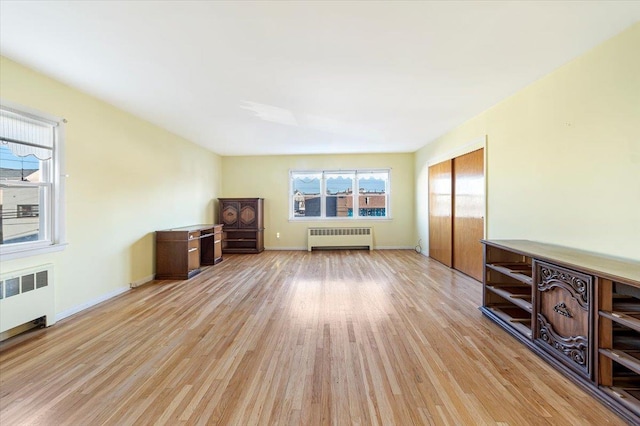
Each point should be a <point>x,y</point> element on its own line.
<point>19,202</point>
<point>349,194</point>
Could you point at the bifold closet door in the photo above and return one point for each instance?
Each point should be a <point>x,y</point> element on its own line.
<point>468,213</point>
<point>440,206</point>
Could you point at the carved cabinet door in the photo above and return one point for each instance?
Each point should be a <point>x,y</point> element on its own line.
<point>248,214</point>
<point>229,214</point>
<point>563,311</point>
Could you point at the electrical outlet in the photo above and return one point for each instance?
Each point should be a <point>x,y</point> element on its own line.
<point>278,235</point>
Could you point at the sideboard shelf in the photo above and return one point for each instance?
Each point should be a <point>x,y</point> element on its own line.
<point>513,317</point>
<point>517,295</point>
<point>521,271</point>
<point>619,347</point>
<point>508,289</point>
<point>579,311</point>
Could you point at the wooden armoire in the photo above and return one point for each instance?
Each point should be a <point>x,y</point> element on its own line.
<point>243,220</point>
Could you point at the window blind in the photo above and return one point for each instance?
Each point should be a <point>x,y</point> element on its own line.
<point>26,136</point>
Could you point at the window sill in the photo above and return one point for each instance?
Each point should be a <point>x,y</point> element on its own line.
<point>31,251</point>
<point>339,219</point>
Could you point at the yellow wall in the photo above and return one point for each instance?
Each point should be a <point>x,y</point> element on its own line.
<point>268,177</point>
<point>563,155</point>
<point>127,178</point>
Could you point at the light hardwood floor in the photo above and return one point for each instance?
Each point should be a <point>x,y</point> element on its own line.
<point>342,337</point>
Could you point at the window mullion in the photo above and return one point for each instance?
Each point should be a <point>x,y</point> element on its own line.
<point>323,196</point>
<point>356,197</point>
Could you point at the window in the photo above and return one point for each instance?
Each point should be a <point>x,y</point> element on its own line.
<point>30,188</point>
<point>328,194</point>
<point>28,210</point>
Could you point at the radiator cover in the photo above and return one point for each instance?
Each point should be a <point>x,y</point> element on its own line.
<point>26,295</point>
<point>340,237</point>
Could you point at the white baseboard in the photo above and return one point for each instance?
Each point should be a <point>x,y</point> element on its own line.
<point>144,280</point>
<point>393,248</point>
<point>375,248</point>
<point>285,248</point>
<point>87,305</point>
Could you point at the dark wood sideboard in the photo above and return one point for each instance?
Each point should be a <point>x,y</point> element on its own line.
<point>579,311</point>
<point>243,220</point>
<point>180,252</point>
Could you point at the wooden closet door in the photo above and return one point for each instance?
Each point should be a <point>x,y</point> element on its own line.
<point>440,203</point>
<point>468,213</point>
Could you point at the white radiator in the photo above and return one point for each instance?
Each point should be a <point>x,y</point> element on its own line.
<point>339,237</point>
<point>26,295</point>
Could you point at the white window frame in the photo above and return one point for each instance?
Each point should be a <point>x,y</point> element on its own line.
<point>323,196</point>
<point>52,214</point>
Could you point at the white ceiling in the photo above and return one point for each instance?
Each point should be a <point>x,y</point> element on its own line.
<point>258,78</point>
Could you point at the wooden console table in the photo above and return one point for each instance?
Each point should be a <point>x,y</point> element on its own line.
<point>180,252</point>
<point>579,311</point>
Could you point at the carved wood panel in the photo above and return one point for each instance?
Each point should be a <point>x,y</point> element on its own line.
<point>230,215</point>
<point>563,306</point>
<point>247,216</point>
